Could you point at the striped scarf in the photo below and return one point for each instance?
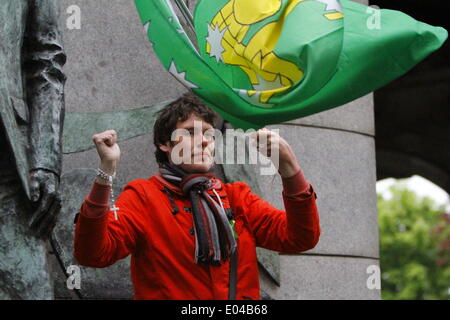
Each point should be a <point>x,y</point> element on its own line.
<point>214,237</point>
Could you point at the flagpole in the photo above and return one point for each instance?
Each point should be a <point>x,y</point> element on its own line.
<point>186,13</point>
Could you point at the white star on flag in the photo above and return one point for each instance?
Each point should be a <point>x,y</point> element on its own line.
<point>264,85</point>
<point>214,39</point>
<point>254,99</point>
<point>332,5</point>
<point>146,26</point>
<point>181,76</point>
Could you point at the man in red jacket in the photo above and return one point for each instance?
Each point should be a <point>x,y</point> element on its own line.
<point>190,235</point>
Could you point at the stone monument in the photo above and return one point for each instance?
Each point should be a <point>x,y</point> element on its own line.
<point>31,122</point>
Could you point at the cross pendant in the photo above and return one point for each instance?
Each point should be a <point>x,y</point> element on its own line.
<point>115,209</point>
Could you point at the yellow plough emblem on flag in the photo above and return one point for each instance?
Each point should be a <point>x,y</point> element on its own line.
<point>268,73</point>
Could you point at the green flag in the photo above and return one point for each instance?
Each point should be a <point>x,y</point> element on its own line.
<point>260,62</point>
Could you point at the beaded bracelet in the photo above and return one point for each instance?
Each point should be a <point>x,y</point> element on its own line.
<point>109,178</point>
<point>106,177</point>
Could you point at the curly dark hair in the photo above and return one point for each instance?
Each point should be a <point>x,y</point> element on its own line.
<point>179,110</point>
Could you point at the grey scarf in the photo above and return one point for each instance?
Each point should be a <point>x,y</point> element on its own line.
<point>214,236</point>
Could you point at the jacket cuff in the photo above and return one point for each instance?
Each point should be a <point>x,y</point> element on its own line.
<point>296,184</point>
<point>99,194</point>
<point>96,204</point>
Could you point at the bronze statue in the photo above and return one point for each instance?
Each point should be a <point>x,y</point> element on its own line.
<point>31,121</point>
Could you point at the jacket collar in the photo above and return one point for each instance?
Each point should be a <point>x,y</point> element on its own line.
<point>216,185</point>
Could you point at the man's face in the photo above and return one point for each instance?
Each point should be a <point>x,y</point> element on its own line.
<point>193,145</point>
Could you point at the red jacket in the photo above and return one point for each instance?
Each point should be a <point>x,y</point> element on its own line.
<point>162,246</point>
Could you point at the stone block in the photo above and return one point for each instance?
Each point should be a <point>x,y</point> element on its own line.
<point>306,277</point>
<point>341,167</point>
<point>356,116</point>
<point>110,63</point>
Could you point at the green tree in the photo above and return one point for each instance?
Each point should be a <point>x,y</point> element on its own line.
<point>414,246</point>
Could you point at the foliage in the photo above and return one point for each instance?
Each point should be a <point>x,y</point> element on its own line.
<point>414,246</point>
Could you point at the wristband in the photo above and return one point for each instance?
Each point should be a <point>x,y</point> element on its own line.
<point>106,177</point>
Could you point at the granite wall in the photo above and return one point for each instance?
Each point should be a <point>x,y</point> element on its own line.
<point>111,67</point>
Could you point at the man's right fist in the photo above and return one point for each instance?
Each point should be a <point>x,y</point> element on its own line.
<point>108,149</point>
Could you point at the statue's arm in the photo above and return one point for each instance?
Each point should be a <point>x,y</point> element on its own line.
<point>44,59</point>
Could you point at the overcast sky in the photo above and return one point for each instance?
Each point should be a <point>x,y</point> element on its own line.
<point>421,186</point>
